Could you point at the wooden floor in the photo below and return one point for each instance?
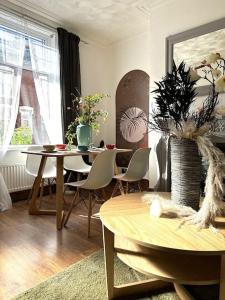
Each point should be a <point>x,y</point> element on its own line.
<point>31,249</point>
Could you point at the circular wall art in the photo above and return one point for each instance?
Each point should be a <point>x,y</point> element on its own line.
<point>133,125</point>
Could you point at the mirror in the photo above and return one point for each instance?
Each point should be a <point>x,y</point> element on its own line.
<point>194,45</point>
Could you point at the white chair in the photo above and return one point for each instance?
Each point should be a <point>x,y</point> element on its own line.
<point>32,166</point>
<point>100,176</point>
<point>136,170</point>
<point>76,164</point>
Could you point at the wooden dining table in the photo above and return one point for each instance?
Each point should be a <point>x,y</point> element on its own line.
<point>34,209</point>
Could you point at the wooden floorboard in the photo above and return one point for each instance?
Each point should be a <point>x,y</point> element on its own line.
<point>31,249</point>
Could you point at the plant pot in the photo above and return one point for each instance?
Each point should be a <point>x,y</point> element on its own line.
<point>84,136</point>
<point>185,173</point>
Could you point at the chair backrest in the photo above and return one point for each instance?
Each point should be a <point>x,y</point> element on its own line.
<point>33,162</point>
<point>138,164</point>
<point>102,170</point>
<point>74,163</point>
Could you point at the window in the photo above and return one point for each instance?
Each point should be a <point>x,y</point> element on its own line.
<point>38,109</point>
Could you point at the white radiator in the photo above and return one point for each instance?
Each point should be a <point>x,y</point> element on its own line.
<point>16,177</point>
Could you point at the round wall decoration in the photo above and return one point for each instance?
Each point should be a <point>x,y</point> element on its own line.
<point>133,125</point>
<point>132,109</point>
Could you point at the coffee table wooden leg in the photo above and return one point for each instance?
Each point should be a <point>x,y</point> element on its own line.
<point>130,288</point>
<point>108,239</point>
<point>182,293</point>
<point>222,278</point>
<point>33,209</point>
<point>59,192</point>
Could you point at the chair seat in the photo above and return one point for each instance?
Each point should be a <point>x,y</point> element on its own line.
<point>124,177</point>
<point>76,164</point>
<point>85,169</point>
<point>47,174</point>
<point>76,183</point>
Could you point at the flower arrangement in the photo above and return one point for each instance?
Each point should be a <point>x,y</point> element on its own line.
<point>86,114</point>
<point>211,69</point>
<point>175,95</point>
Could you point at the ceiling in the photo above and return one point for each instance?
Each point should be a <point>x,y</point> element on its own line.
<point>103,21</point>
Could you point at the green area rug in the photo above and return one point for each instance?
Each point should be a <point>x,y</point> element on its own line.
<point>85,280</point>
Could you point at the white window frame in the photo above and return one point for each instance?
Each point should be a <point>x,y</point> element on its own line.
<point>25,26</point>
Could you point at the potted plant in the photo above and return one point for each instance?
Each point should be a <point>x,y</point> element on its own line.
<point>87,119</point>
<point>188,128</point>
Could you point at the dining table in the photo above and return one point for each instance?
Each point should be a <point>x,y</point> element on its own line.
<point>34,208</point>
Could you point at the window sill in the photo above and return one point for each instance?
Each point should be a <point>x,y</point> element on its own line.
<point>19,147</point>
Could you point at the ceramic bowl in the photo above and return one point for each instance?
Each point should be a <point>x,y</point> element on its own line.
<point>110,146</point>
<point>60,146</point>
<point>49,147</point>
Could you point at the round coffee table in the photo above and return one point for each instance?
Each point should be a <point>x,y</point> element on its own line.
<point>159,246</point>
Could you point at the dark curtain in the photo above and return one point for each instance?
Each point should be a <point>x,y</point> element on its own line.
<point>69,73</point>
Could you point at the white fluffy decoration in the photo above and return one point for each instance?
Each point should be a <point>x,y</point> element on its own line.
<point>156,208</point>
<point>160,206</point>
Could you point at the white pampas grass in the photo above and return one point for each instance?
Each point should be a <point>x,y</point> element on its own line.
<point>212,204</point>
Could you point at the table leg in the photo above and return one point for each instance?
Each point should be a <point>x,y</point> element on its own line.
<point>222,278</point>
<point>33,209</point>
<point>108,239</point>
<point>130,288</point>
<point>59,192</point>
<point>182,293</point>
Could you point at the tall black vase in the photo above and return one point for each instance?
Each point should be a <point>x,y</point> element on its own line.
<point>185,172</point>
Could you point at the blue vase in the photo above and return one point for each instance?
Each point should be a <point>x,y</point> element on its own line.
<point>84,136</point>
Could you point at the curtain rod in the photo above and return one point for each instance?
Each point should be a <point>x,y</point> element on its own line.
<point>26,17</point>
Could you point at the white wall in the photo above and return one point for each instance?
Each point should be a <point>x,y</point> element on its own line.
<point>103,67</point>
<point>95,76</point>
<point>101,70</point>
<point>128,55</point>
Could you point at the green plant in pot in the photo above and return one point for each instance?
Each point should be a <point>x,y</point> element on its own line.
<point>87,120</point>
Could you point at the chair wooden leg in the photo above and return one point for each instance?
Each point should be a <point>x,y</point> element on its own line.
<point>68,179</point>
<point>121,187</point>
<point>30,195</point>
<point>49,188</point>
<point>104,194</point>
<point>41,191</point>
<point>115,189</point>
<point>127,187</point>
<point>139,186</point>
<point>89,213</point>
<point>79,176</point>
<point>66,186</point>
<point>76,197</point>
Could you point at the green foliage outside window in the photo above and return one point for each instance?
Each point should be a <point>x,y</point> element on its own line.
<point>22,136</point>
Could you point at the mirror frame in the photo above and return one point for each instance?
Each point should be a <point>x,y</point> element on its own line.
<point>189,34</point>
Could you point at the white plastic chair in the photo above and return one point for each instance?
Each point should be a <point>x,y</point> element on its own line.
<point>32,166</point>
<point>136,170</point>
<point>100,176</point>
<point>76,164</point>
